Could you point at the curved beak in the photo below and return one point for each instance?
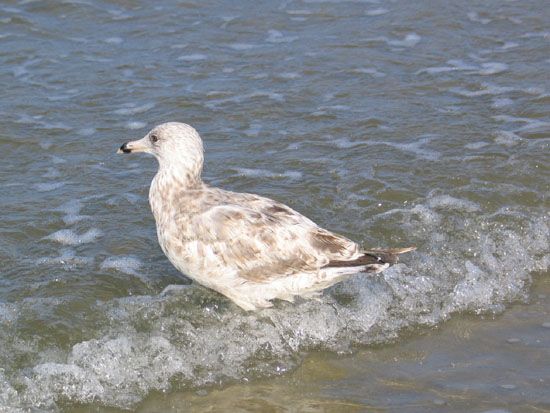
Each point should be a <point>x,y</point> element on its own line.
<point>141,145</point>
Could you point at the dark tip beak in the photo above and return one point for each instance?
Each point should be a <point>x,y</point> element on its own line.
<point>124,148</point>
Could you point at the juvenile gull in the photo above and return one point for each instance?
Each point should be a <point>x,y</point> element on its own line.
<point>249,248</point>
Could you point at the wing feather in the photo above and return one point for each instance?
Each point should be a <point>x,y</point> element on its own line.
<point>263,239</point>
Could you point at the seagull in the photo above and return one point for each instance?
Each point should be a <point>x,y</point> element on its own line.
<point>247,247</point>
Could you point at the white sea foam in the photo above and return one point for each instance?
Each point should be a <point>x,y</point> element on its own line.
<point>509,45</point>
<point>264,173</point>
<point>502,102</point>
<point>410,40</point>
<point>486,89</point>
<point>72,211</point>
<point>242,46</point>
<point>300,12</point>
<point>45,144</point>
<point>476,145</point>
<point>288,75</point>
<point>417,147</point>
<point>487,68</point>
<point>8,314</point>
<point>345,143</point>
<point>9,397</point>
<point>135,125</point>
<point>86,131</point>
<point>376,12</point>
<point>118,14</point>
<point>195,57</point>
<point>530,35</point>
<point>48,186</point>
<point>529,124</point>
<point>67,257</point>
<point>254,129</point>
<point>51,173</point>
<point>125,264</point>
<point>507,138</point>
<point>57,160</point>
<point>132,109</point>
<point>70,237</point>
<point>449,202</point>
<point>275,36</point>
<point>474,16</point>
<point>114,40</point>
<point>492,68</point>
<point>368,71</point>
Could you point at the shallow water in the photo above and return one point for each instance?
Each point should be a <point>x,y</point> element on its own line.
<point>394,123</point>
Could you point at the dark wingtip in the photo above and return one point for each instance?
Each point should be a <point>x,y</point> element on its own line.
<point>375,256</point>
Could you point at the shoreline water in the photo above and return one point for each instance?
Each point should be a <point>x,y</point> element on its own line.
<point>481,363</point>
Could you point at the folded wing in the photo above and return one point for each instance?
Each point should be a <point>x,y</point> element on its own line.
<point>262,239</point>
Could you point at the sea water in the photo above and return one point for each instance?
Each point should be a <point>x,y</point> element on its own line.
<point>394,123</point>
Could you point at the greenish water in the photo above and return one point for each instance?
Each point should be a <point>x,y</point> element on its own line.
<point>394,123</point>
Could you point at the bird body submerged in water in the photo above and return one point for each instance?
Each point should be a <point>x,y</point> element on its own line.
<point>249,248</point>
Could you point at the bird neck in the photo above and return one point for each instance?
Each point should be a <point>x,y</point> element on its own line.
<point>168,187</point>
<point>183,177</point>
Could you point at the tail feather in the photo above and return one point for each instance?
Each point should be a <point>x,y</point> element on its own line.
<point>389,255</point>
<point>373,260</point>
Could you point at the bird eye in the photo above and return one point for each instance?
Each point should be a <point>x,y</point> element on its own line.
<point>154,138</point>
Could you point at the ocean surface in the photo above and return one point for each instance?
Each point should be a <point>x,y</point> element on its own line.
<point>395,123</point>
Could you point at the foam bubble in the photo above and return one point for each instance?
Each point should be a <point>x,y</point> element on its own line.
<point>132,109</point>
<point>51,173</point>
<point>502,102</point>
<point>275,36</point>
<point>507,138</point>
<point>9,397</point>
<point>8,314</point>
<point>114,40</point>
<point>45,144</point>
<point>509,45</point>
<point>69,237</point>
<point>418,147</point>
<point>264,173</point>
<point>488,68</point>
<point>474,16</point>
<point>67,258</point>
<point>376,12</point>
<point>254,129</point>
<point>86,131</point>
<point>476,145</point>
<point>368,71</point>
<point>46,187</point>
<point>486,89</point>
<point>345,143</point>
<point>72,209</point>
<point>135,125</point>
<point>492,68</point>
<point>530,125</point>
<point>410,40</point>
<point>289,75</point>
<point>125,264</point>
<point>195,57</point>
<point>242,46</point>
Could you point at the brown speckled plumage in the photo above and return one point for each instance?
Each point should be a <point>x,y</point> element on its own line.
<point>250,248</point>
